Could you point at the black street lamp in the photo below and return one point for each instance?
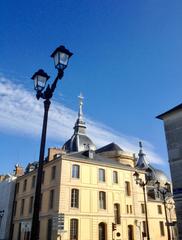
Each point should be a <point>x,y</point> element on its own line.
<point>164,191</point>
<point>142,184</point>
<point>61,57</point>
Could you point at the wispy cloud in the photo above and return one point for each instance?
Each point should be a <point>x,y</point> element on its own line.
<point>20,112</point>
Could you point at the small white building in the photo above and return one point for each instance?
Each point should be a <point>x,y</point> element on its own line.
<point>7,189</point>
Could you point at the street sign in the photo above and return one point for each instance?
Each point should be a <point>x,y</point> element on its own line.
<point>58,222</point>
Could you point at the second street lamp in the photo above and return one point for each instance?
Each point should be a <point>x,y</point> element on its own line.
<point>61,56</point>
<point>142,184</point>
<point>164,191</point>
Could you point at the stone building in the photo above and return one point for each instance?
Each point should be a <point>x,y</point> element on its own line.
<point>93,191</point>
<point>173,130</point>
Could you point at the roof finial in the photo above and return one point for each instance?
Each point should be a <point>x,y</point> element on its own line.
<point>80,113</point>
<point>140,145</point>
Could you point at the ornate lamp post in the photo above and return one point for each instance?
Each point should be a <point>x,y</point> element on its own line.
<point>142,184</point>
<point>61,57</point>
<point>164,191</point>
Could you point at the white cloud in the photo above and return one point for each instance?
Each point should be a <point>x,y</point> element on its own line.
<point>20,112</point>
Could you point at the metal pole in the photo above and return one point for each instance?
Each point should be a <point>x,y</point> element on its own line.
<point>146,214</point>
<point>35,218</point>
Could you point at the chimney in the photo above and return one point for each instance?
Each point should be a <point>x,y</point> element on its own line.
<point>18,170</point>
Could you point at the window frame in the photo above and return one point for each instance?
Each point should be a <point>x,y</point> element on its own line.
<point>25,185</point>
<point>51,198</point>
<point>43,177</point>
<point>53,172</point>
<point>102,200</point>
<point>22,207</point>
<point>142,208</point>
<point>74,198</point>
<point>74,229</point>
<point>75,171</point>
<point>115,177</point>
<point>161,226</point>
<point>127,188</point>
<point>31,204</point>
<point>33,181</point>
<point>159,209</point>
<point>102,175</point>
<point>117,214</point>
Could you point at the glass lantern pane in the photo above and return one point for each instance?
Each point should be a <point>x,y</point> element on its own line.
<point>40,82</point>
<point>63,58</point>
<point>56,59</point>
<point>35,82</point>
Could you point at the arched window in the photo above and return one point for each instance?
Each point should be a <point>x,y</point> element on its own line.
<point>102,231</point>
<point>74,229</point>
<point>117,213</point>
<point>130,232</point>
<point>74,198</point>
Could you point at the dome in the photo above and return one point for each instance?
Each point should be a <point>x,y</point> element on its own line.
<point>78,143</point>
<point>160,176</point>
<point>143,164</point>
<point>79,140</point>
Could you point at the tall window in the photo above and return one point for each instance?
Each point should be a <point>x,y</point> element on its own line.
<point>31,204</point>
<point>75,171</point>
<point>17,187</point>
<point>142,208</point>
<point>117,213</point>
<point>74,198</point>
<point>19,231</point>
<point>51,199</point>
<point>41,200</point>
<point>159,208</point>
<point>33,181</point>
<point>144,227</point>
<point>25,185</point>
<point>161,225</point>
<point>101,175</point>
<point>102,231</point>
<point>127,188</point>
<point>130,232</point>
<point>102,200</point>
<point>22,206</point>
<point>15,207</point>
<point>115,177</point>
<point>53,172</point>
<point>43,177</point>
<point>129,209</point>
<point>74,229</point>
<point>49,229</point>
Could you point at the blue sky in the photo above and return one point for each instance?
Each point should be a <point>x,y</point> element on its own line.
<point>127,63</point>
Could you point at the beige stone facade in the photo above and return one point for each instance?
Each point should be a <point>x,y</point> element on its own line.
<point>100,192</point>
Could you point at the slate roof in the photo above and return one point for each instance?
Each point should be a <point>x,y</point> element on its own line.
<point>98,160</point>
<point>110,147</point>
